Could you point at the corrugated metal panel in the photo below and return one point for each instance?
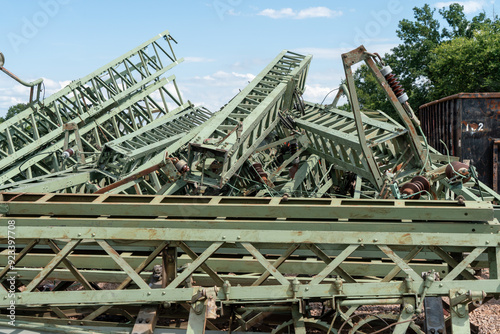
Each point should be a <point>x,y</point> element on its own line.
<point>469,124</point>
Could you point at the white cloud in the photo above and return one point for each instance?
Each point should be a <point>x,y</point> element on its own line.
<point>317,12</point>
<point>469,6</point>
<point>11,94</point>
<point>278,14</point>
<point>316,92</point>
<point>311,12</point>
<point>221,76</point>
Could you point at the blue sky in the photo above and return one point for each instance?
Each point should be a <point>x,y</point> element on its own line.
<point>224,42</point>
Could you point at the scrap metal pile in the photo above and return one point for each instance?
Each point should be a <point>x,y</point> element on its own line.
<point>278,204</point>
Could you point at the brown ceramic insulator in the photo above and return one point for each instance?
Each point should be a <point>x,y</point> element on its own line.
<point>408,189</point>
<point>415,186</point>
<point>70,152</point>
<point>182,166</point>
<point>422,180</point>
<point>460,168</point>
<point>394,84</point>
<point>261,175</point>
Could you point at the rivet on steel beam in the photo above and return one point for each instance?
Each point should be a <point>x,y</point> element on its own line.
<point>238,237</point>
<point>375,240</point>
<point>149,293</point>
<point>223,237</point>
<point>93,234</point>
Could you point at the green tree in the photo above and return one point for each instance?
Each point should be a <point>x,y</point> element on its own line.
<point>370,94</point>
<point>411,60</point>
<point>467,64</point>
<point>14,110</point>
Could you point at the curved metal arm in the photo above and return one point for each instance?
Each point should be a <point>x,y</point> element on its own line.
<point>22,82</point>
<point>342,90</point>
<point>36,83</point>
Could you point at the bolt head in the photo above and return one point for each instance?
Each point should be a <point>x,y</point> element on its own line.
<point>409,308</point>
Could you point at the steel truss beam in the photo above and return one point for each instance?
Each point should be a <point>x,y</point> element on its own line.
<point>64,181</point>
<point>94,236</point>
<point>236,131</point>
<point>122,156</point>
<point>332,135</point>
<point>233,133</point>
<point>107,103</point>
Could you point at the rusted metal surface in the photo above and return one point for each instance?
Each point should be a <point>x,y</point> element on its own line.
<point>130,178</point>
<point>468,124</point>
<point>496,165</point>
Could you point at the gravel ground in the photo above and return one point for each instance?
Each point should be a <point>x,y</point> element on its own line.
<point>487,317</point>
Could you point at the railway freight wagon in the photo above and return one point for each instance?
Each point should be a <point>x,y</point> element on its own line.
<point>468,124</point>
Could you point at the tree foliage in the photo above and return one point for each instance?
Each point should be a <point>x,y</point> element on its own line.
<point>434,61</point>
<point>466,64</point>
<point>14,110</point>
<point>370,95</point>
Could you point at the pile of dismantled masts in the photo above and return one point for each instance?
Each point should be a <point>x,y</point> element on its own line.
<point>126,129</point>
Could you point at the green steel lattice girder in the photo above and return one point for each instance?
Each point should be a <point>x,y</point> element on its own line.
<point>390,231</point>
<point>86,99</point>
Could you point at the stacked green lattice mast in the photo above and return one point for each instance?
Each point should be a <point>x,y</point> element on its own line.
<point>231,135</point>
<point>111,102</point>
